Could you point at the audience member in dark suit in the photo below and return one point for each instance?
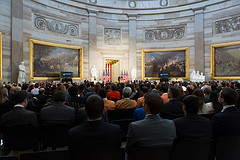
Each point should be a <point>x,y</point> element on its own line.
<point>94,135</point>
<point>173,108</point>
<point>227,122</point>
<point>58,112</point>
<point>153,130</point>
<point>237,87</point>
<point>19,115</point>
<point>6,104</point>
<point>192,127</point>
<point>40,100</point>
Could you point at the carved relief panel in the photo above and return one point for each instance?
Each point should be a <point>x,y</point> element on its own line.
<point>227,25</point>
<point>52,25</point>
<point>112,36</point>
<point>164,34</point>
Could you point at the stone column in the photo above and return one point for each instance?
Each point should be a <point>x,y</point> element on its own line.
<point>17,37</point>
<point>199,40</point>
<point>132,60</point>
<point>92,40</point>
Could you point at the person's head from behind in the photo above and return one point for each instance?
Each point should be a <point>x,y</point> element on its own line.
<point>191,104</point>
<point>36,85</point>
<point>144,90</point>
<point>114,87</point>
<point>152,103</point>
<point>25,87</point>
<point>3,94</point>
<point>206,89</point>
<point>228,96</point>
<point>161,89</point>
<point>173,92</point>
<point>41,91</point>
<point>59,96</point>
<point>21,98</point>
<point>127,91</point>
<point>94,107</point>
<point>73,91</point>
<point>103,93</point>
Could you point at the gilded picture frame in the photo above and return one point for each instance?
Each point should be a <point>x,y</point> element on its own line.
<point>1,56</point>
<point>173,60</point>
<point>47,60</point>
<point>225,61</point>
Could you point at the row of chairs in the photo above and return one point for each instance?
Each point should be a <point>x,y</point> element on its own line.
<point>227,149</point>
<point>21,138</point>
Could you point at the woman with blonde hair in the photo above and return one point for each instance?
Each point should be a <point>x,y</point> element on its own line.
<point>5,104</point>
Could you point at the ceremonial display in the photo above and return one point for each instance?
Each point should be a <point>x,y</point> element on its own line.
<point>225,60</point>
<point>48,60</point>
<point>175,61</point>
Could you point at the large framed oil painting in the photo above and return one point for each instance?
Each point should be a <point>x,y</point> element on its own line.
<point>225,61</point>
<point>0,55</point>
<point>48,60</point>
<point>174,61</point>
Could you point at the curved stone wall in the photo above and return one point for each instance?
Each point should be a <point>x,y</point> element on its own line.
<point>114,29</point>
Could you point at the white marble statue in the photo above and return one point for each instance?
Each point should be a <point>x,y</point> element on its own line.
<point>21,73</point>
<point>196,77</point>
<point>133,73</point>
<point>94,73</point>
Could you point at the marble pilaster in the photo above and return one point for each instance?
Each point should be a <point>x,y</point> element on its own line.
<point>17,37</point>
<point>132,41</point>
<point>199,39</point>
<point>92,40</point>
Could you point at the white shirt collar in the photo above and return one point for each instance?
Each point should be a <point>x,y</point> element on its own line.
<point>18,105</point>
<point>225,107</point>
<point>126,98</point>
<point>104,98</point>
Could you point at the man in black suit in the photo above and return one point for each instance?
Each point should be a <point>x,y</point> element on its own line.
<point>227,122</point>
<point>19,115</point>
<point>94,135</point>
<point>173,108</point>
<point>58,113</point>
<point>192,127</point>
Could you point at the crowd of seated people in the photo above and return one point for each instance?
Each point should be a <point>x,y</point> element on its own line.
<point>165,113</point>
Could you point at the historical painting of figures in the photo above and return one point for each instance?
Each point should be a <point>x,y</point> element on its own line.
<point>0,56</point>
<point>173,61</point>
<point>48,60</point>
<point>225,61</point>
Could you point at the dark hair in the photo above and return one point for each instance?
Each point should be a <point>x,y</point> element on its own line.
<point>175,91</point>
<point>199,93</point>
<point>82,87</point>
<point>230,95</point>
<point>144,89</point>
<point>214,99</point>
<point>94,106</point>
<point>20,96</point>
<point>192,104</point>
<point>162,88</point>
<point>154,102</point>
<point>73,91</point>
<point>36,85</point>
<point>24,86</point>
<point>59,96</point>
<point>114,87</point>
<point>102,93</point>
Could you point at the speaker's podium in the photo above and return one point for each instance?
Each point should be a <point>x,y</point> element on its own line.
<point>164,76</point>
<point>66,76</point>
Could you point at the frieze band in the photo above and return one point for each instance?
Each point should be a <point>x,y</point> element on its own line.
<point>164,34</point>
<point>44,23</point>
<point>227,25</point>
